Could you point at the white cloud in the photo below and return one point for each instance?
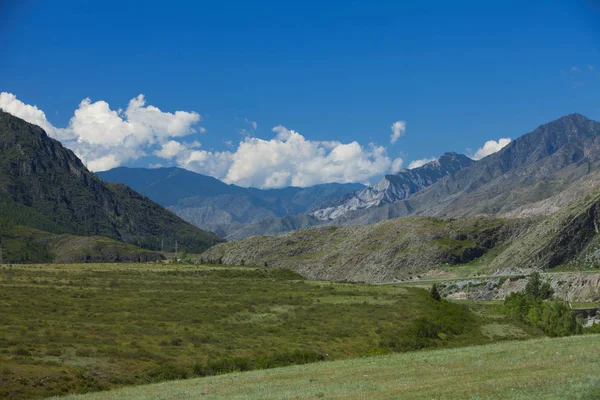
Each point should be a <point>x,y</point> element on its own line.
<point>104,138</point>
<point>291,159</point>
<point>397,165</point>
<point>575,68</point>
<point>287,159</point>
<point>398,129</point>
<point>170,149</point>
<point>419,163</point>
<point>591,68</point>
<point>490,147</point>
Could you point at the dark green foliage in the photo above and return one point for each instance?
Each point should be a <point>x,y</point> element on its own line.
<point>21,244</point>
<point>238,364</point>
<point>537,289</point>
<point>167,372</point>
<point>435,294</point>
<point>443,322</point>
<point>45,186</point>
<point>533,308</point>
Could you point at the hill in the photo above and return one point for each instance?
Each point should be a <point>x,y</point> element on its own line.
<point>389,250</point>
<point>407,247</point>
<point>211,204</point>
<point>552,369</point>
<point>45,186</point>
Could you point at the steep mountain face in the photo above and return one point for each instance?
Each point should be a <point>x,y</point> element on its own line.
<point>45,186</point>
<point>211,204</point>
<point>533,167</point>
<point>392,188</point>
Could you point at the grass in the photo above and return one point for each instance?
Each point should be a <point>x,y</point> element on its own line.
<point>90,327</point>
<point>565,368</point>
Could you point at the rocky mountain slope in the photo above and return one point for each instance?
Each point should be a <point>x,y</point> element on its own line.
<point>405,247</point>
<point>380,252</point>
<point>211,204</point>
<point>392,188</point>
<point>45,186</point>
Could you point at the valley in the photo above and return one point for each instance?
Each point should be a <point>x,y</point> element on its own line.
<point>76,328</point>
<point>299,200</point>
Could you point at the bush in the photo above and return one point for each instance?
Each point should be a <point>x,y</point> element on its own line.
<point>167,372</point>
<point>435,294</point>
<point>445,321</point>
<point>238,364</point>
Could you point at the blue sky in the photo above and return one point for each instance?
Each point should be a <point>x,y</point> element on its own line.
<point>458,73</point>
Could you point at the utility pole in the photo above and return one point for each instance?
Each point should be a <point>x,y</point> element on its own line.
<point>176,249</point>
<point>1,256</point>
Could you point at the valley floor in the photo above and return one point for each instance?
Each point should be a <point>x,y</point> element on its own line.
<point>69,329</point>
<point>564,368</point>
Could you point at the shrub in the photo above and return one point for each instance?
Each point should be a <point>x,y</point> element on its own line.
<point>434,293</point>
<point>167,372</point>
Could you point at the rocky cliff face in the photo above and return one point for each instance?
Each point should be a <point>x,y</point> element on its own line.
<point>392,188</point>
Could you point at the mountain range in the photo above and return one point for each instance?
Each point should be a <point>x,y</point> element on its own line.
<point>532,205</point>
<point>45,187</point>
<point>531,169</point>
<point>216,206</point>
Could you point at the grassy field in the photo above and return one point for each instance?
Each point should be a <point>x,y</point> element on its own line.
<point>565,368</point>
<point>81,328</point>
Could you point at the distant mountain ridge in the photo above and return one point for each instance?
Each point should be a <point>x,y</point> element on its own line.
<point>45,186</point>
<point>214,205</point>
<point>392,188</point>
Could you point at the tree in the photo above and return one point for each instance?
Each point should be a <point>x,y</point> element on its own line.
<point>434,293</point>
<point>536,289</point>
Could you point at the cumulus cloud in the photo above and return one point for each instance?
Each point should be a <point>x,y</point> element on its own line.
<point>397,165</point>
<point>398,130</point>
<point>419,163</point>
<point>490,147</point>
<point>105,138</point>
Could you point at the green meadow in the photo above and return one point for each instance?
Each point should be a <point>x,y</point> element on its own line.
<point>69,329</point>
<point>540,369</point>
